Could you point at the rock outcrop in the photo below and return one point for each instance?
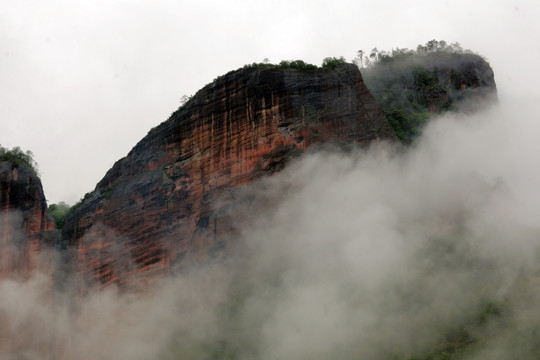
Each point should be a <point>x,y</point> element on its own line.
<point>26,228</point>
<point>168,196</point>
<point>411,87</point>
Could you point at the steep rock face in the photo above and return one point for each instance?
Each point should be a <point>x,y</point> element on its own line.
<point>26,228</point>
<point>437,80</point>
<point>412,87</point>
<point>168,197</point>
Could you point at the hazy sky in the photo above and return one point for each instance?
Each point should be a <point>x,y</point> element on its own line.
<point>82,81</point>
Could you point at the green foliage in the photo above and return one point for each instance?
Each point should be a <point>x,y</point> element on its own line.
<point>19,157</point>
<point>59,213</point>
<point>407,124</point>
<point>431,47</point>
<point>424,79</point>
<point>300,65</point>
<point>409,85</point>
<point>489,311</point>
<point>333,62</point>
<point>297,64</point>
<point>430,93</point>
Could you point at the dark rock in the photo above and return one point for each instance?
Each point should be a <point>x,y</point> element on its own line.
<point>27,230</point>
<point>410,88</point>
<point>160,202</point>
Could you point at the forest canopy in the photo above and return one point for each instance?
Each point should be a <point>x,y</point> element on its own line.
<point>375,56</point>
<point>412,85</point>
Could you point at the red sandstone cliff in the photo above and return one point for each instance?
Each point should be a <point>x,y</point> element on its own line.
<point>159,203</point>
<point>26,229</point>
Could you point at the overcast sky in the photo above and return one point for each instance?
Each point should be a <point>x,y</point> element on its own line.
<point>81,82</point>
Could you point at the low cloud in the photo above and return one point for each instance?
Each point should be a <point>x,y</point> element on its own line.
<point>371,253</point>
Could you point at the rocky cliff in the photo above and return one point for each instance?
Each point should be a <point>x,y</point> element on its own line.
<point>168,196</point>
<point>411,86</point>
<point>26,228</point>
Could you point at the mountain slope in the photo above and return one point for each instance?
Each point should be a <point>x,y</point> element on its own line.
<point>167,198</point>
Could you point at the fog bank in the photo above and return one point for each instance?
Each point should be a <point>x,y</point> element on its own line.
<point>379,253</point>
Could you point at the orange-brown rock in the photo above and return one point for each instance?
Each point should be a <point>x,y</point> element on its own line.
<point>26,229</point>
<point>160,202</point>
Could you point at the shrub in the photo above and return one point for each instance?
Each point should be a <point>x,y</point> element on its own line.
<point>19,157</point>
<point>332,62</point>
<point>297,64</point>
<point>59,213</point>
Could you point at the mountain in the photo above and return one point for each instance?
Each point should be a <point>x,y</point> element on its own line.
<point>26,228</point>
<point>177,198</point>
<point>175,194</point>
<point>412,86</point>
<point>168,196</point>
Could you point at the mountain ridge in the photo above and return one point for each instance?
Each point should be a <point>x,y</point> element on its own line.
<point>242,126</point>
<point>170,196</point>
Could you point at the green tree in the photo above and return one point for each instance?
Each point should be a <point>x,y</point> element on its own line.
<point>59,213</point>
<point>359,60</point>
<point>18,156</point>
<point>333,62</point>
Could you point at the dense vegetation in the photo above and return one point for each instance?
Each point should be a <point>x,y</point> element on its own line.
<point>300,65</point>
<point>411,85</point>
<point>19,157</point>
<point>377,56</point>
<point>59,213</point>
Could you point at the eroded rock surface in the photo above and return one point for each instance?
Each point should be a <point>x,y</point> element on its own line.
<point>168,196</point>
<point>26,228</point>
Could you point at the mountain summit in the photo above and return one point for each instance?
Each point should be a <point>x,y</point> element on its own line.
<point>159,202</point>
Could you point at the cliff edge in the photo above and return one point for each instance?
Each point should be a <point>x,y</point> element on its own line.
<point>26,228</point>
<point>159,203</point>
<point>411,87</point>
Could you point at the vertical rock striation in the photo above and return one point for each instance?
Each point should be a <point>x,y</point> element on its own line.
<point>26,228</point>
<point>160,202</point>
